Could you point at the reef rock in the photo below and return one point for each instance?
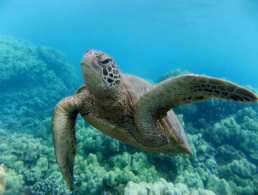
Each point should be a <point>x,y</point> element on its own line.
<point>32,80</point>
<point>161,187</point>
<point>2,179</point>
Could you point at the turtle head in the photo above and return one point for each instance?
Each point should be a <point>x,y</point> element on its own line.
<point>100,72</point>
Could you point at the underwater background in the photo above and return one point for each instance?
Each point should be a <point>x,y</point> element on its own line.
<point>41,46</point>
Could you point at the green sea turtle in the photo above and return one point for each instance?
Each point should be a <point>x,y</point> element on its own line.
<point>131,110</point>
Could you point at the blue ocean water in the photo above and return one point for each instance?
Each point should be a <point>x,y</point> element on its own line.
<point>146,38</point>
<point>41,46</point>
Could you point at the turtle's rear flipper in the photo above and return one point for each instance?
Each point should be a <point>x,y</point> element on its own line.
<point>63,123</point>
<point>184,89</point>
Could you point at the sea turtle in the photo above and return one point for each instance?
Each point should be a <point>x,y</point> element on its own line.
<point>131,110</point>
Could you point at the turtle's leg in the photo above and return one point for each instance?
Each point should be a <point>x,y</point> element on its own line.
<point>184,89</point>
<point>63,129</point>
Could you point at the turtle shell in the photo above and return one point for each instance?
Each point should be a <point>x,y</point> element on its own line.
<point>136,87</point>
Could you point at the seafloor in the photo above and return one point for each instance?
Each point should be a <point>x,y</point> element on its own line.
<point>223,136</point>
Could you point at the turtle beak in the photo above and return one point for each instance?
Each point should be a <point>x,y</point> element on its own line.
<point>92,52</point>
<point>89,59</point>
<point>90,67</point>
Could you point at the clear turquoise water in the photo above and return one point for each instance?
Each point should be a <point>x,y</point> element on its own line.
<point>146,38</point>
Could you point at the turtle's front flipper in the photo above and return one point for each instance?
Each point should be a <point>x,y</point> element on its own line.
<point>185,89</point>
<point>63,123</point>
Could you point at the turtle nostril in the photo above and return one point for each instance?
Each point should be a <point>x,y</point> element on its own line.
<point>88,52</point>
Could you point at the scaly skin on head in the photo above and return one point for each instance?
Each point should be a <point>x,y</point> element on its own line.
<point>104,81</point>
<point>100,74</point>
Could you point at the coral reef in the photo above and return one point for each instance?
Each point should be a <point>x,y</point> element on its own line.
<point>161,187</point>
<point>14,182</point>
<point>33,79</point>
<point>238,130</point>
<point>47,186</point>
<point>2,179</point>
<point>95,178</point>
<point>27,159</point>
<point>219,186</point>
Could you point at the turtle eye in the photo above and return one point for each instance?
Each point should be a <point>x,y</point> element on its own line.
<point>106,61</point>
